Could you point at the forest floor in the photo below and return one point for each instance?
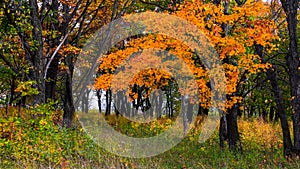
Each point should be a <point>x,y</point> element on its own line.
<point>34,138</point>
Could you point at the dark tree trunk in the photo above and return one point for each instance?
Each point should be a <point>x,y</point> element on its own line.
<point>108,102</point>
<point>231,116</point>
<point>35,57</point>
<point>277,93</point>
<point>98,93</point>
<point>290,8</point>
<point>52,72</point>
<point>260,113</point>
<point>116,110</point>
<point>134,109</point>
<point>202,111</point>
<point>276,116</point>
<point>69,108</point>
<point>50,82</point>
<point>271,114</point>
<point>264,114</point>
<point>168,105</point>
<point>232,129</point>
<point>223,130</point>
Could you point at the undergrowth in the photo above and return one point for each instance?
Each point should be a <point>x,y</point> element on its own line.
<point>34,138</point>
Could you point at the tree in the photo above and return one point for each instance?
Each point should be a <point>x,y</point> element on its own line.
<point>277,94</point>
<point>50,34</point>
<point>292,59</point>
<point>234,29</point>
<point>244,26</point>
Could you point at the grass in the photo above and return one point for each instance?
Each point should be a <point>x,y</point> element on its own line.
<point>34,138</point>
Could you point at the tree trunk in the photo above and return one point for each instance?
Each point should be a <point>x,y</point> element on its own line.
<point>36,55</point>
<point>50,82</point>
<point>272,114</point>
<point>158,104</point>
<point>69,108</point>
<point>290,8</point>
<point>223,130</point>
<point>52,72</point>
<point>98,93</point>
<point>232,129</point>
<point>277,93</point>
<point>202,111</point>
<point>233,136</point>
<point>108,102</point>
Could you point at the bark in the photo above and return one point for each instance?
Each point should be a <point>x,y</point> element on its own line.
<point>69,108</point>
<point>158,104</point>
<point>202,111</point>
<point>98,93</point>
<point>233,135</point>
<point>168,103</point>
<point>108,102</point>
<point>52,72</point>
<point>51,79</point>
<point>36,55</point>
<point>223,130</point>
<point>277,94</point>
<point>271,114</point>
<point>116,110</point>
<point>290,8</point>
<point>264,115</point>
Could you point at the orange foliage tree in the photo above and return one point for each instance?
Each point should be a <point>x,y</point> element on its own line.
<point>247,25</point>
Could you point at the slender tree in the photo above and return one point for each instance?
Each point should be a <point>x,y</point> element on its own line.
<point>292,59</point>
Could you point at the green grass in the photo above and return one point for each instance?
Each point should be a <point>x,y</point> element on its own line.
<point>34,139</point>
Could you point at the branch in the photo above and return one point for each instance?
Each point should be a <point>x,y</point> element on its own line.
<point>76,7</point>
<point>88,3</point>
<point>93,17</point>
<point>114,11</point>
<point>254,87</point>
<point>56,50</point>
<point>9,64</point>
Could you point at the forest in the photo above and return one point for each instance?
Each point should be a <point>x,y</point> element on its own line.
<point>149,84</point>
